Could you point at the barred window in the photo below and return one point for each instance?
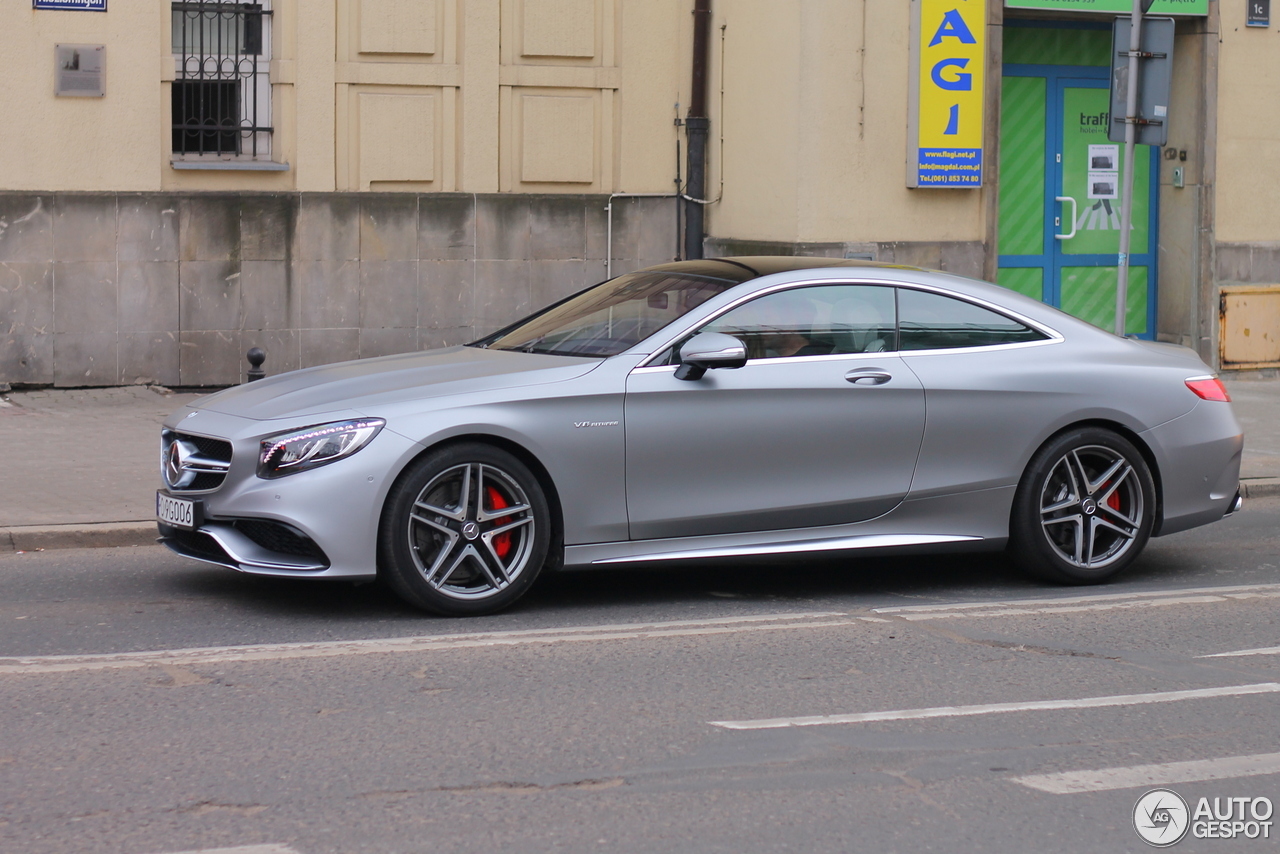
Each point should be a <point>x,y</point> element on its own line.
<point>222,94</point>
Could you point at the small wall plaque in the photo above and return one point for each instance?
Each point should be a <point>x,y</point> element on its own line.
<point>1259,14</point>
<point>79,71</point>
<point>71,5</point>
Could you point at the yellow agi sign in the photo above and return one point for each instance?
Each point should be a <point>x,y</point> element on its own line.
<point>948,91</point>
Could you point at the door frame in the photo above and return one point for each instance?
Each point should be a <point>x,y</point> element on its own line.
<point>1051,260</point>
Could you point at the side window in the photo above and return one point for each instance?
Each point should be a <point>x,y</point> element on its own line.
<point>813,321</point>
<point>929,321</point>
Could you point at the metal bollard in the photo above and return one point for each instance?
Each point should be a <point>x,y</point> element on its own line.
<point>256,357</point>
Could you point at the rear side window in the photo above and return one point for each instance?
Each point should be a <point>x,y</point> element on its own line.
<point>929,321</point>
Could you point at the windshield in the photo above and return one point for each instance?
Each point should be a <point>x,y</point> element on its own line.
<point>609,318</point>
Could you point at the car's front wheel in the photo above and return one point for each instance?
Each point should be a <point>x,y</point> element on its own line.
<point>1084,509</point>
<point>465,531</point>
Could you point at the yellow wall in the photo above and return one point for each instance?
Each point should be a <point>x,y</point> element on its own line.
<point>574,96</point>
<point>816,131</point>
<point>418,95</point>
<point>109,143</point>
<point>1248,163</point>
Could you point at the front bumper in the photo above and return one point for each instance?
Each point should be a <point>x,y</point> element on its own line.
<point>321,523</point>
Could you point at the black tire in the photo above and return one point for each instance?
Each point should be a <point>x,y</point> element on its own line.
<point>446,546</point>
<point>1084,509</point>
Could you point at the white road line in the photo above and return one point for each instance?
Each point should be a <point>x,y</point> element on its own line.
<point>420,643</point>
<point>998,708</point>
<point>1074,604</point>
<point>1092,597</point>
<point>1266,650</point>
<point>1136,776</point>
<point>244,849</point>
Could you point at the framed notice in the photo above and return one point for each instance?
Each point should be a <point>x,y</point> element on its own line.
<point>948,93</point>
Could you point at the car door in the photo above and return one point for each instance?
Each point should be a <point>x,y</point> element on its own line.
<point>821,426</point>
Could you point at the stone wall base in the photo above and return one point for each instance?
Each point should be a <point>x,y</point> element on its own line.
<point>100,289</point>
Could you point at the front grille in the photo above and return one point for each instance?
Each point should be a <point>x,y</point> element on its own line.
<point>218,450</point>
<point>280,538</point>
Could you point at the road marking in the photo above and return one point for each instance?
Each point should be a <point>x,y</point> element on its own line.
<point>420,643</point>
<point>998,708</point>
<point>1076,604</point>
<point>1167,773</point>
<point>1266,650</point>
<point>244,849</point>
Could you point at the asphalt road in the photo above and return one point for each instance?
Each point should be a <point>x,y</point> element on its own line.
<point>667,711</point>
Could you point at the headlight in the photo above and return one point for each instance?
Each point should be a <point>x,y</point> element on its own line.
<point>299,450</point>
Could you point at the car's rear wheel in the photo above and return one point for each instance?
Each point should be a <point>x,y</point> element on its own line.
<point>465,531</point>
<point>1084,509</point>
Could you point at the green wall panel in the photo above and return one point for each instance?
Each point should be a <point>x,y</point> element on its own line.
<point>1028,281</point>
<point>1022,141</point>
<point>1041,46</point>
<point>1089,293</point>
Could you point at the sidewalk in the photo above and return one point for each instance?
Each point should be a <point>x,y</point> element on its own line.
<point>80,467</point>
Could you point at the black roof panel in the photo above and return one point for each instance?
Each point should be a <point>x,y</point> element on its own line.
<point>747,267</point>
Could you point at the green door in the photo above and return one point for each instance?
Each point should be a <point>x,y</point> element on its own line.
<point>1060,180</point>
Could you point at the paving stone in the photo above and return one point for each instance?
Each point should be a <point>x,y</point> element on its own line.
<point>327,227</point>
<point>85,297</point>
<point>146,227</point>
<point>388,227</point>
<point>209,227</point>
<point>84,227</point>
<point>326,346</point>
<point>446,294</point>
<point>209,295</point>
<point>148,296</point>
<point>387,342</point>
<point>446,227</point>
<point>26,227</point>
<point>388,294</point>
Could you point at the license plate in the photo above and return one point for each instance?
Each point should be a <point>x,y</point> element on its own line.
<point>178,512</point>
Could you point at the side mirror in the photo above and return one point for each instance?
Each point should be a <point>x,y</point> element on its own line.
<point>708,350</point>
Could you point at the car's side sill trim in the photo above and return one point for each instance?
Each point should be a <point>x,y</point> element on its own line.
<point>871,541</point>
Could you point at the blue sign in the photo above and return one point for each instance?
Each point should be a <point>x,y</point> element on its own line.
<point>71,5</point>
<point>950,167</point>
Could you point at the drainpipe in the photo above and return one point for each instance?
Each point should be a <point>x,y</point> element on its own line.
<point>697,125</point>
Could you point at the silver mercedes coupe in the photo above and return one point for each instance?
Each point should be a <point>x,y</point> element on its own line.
<point>711,409</point>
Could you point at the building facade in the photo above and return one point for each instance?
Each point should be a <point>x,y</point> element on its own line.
<point>334,179</point>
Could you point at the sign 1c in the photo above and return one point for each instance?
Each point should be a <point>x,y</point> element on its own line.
<point>71,5</point>
<point>948,93</point>
<point>1259,14</point>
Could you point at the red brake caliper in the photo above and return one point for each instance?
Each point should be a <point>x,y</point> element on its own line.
<point>502,542</point>
<point>1113,501</point>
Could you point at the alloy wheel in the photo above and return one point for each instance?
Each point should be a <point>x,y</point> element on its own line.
<point>471,531</point>
<point>1091,506</point>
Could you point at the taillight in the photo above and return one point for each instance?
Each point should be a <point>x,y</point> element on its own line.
<point>1209,388</point>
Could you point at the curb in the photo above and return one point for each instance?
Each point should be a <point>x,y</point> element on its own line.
<point>85,536</point>
<point>1260,487</point>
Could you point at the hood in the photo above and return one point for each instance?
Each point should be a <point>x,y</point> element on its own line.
<point>368,383</point>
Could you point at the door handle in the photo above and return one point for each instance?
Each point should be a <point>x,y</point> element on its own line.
<point>868,376</point>
<point>1073,216</point>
